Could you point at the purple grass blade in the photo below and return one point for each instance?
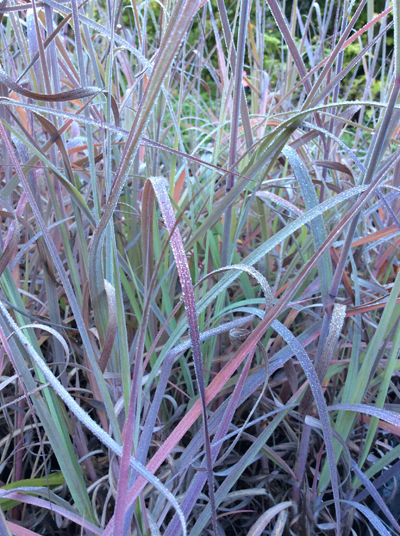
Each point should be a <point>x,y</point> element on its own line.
<point>390,473</point>
<point>16,495</point>
<point>369,514</point>
<point>178,250</point>
<point>322,410</point>
<point>388,416</point>
<point>375,494</point>
<point>4,529</point>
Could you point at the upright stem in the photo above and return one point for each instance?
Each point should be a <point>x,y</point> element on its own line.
<point>235,127</point>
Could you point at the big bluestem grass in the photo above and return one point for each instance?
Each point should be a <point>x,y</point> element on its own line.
<point>171,171</point>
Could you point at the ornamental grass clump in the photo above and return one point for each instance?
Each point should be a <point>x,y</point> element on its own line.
<point>199,268</point>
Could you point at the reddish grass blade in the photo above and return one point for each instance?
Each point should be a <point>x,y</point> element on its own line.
<point>57,97</point>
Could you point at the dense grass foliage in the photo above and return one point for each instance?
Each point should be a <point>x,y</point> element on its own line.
<point>199,270</point>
